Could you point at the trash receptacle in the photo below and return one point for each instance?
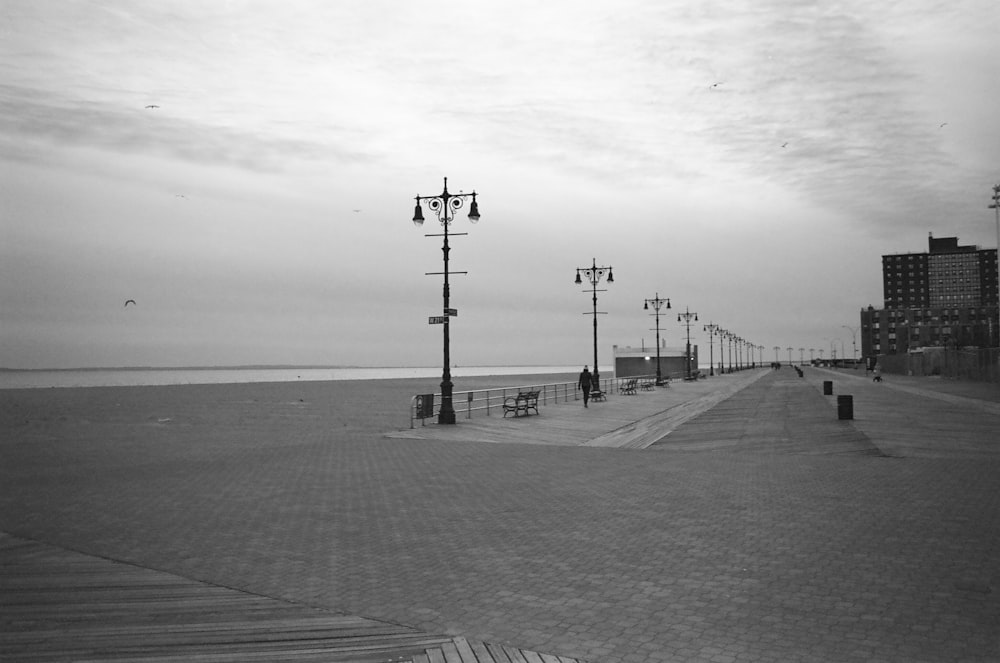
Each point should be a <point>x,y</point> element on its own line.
<point>828,387</point>
<point>845,406</point>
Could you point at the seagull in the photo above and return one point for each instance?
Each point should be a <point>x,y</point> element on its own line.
<point>130,301</point>
<point>356,211</point>
<point>715,85</point>
<point>785,144</point>
<point>152,106</point>
<point>942,124</point>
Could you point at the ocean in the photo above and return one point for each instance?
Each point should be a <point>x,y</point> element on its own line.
<point>132,377</point>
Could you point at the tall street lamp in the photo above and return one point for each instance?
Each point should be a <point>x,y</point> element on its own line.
<point>723,334</point>
<point>776,348</point>
<point>996,208</point>
<point>733,352</point>
<point>711,329</point>
<point>657,305</point>
<point>594,274</point>
<point>444,205</point>
<point>687,316</point>
<point>854,343</point>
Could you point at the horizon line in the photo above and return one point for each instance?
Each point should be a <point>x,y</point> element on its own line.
<point>253,367</point>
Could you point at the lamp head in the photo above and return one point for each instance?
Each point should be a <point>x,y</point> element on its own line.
<point>668,302</point>
<point>645,306</point>
<point>578,279</point>
<point>474,209</point>
<point>611,277</point>
<point>418,215</point>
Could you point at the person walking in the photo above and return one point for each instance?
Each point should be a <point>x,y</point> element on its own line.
<point>585,384</point>
<point>878,373</point>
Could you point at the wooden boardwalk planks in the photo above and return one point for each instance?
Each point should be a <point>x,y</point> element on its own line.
<point>60,605</point>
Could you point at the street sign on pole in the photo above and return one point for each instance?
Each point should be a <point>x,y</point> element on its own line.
<point>451,312</point>
<point>437,319</point>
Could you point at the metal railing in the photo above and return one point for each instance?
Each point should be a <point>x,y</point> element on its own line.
<point>488,401</point>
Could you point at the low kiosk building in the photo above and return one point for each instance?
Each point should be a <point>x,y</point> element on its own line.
<point>633,362</point>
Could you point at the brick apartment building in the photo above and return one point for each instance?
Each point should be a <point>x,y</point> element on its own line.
<point>946,298</point>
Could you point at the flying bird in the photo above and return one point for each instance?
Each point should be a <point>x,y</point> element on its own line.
<point>152,106</point>
<point>715,85</point>
<point>942,124</point>
<point>785,144</point>
<point>130,301</point>
<point>356,211</point>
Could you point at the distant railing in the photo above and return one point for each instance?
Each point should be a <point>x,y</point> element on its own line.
<point>488,401</point>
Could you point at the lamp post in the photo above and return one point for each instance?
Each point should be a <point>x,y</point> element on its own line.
<point>687,316</point>
<point>802,356</point>
<point>657,303</point>
<point>444,205</point>
<point>854,343</point>
<point>776,348</point>
<point>594,274</point>
<point>730,337</point>
<point>811,357</point>
<point>722,351</point>
<point>711,329</point>
<point>996,208</point>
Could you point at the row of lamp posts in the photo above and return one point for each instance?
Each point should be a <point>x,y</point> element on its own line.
<point>445,205</point>
<point>736,343</point>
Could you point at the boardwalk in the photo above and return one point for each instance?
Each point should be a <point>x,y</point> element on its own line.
<point>59,605</point>
<point>733,519</point>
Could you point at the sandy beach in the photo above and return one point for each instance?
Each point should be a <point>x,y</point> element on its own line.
<point>374,406</point>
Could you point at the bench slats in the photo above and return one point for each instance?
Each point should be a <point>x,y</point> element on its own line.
<point>521,404</point>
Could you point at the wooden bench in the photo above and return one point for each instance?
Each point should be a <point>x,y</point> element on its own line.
<point>628,387</point>
<point>647,385</point>
<point>521,404</point>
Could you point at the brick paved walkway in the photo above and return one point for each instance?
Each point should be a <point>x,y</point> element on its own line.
<point>764,529</point>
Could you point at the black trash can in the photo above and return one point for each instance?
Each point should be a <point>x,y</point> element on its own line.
<point>828,387</point>
<point>845,406</point>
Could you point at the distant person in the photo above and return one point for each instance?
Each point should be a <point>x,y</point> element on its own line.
<point>585,384</point>
<point>877,371</point>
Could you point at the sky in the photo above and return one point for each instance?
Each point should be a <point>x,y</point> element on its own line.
<point>749,160</point>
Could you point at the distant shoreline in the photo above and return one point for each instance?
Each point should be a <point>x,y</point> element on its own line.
<point>252,367</point>
<point>141,376</point>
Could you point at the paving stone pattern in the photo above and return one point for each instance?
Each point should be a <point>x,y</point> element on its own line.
<point>764,529</point>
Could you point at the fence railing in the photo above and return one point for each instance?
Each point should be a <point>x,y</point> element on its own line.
<point>489,401</point>
<point>977,364</point>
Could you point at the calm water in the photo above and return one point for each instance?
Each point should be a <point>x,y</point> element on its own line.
<point>128,377</point>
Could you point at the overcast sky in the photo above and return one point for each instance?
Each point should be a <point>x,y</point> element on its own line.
<point>750,160</point>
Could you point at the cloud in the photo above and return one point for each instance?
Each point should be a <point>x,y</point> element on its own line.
<point>38,122</point>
